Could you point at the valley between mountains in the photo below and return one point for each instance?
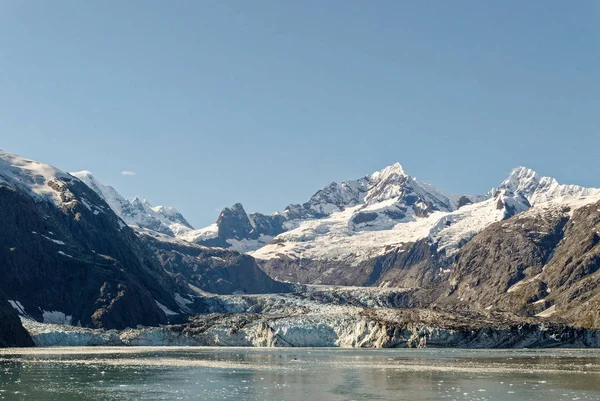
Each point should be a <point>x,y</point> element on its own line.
<point>381,261</point>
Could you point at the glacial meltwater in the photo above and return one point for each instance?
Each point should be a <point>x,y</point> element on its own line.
<point>160,373</point>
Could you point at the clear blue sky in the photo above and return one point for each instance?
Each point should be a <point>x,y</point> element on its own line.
<point>264,102</point>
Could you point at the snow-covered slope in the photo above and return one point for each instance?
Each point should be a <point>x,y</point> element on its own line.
<point>137,212</point>
<point>395,209</point>
<point>364,208</point>
<point>39,180</point>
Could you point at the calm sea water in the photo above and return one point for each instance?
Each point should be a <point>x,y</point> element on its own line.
<point>297,374</point>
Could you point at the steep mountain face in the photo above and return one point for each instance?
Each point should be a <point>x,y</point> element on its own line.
<point>507,258</point>
<point>65,257</point>
<point>213,270</point>
<point>139,213</point>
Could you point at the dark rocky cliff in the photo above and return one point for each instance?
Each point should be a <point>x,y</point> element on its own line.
<point>78,260</point>
<point>12,333</point>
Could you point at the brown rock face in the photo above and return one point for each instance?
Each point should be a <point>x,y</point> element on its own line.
<point>504,254</point>
<point>572,274</point>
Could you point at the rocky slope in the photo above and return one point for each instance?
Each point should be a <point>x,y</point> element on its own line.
<point>542,262</point>
<point>65,257</point>
<point>212,270</point>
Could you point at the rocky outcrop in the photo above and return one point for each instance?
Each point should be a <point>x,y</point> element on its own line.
<point>572,275</point>
<point>12,333</point>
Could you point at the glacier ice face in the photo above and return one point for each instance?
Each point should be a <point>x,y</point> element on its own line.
<point>302,320</point>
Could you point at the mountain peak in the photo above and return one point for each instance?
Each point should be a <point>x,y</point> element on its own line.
<point>233,222</point>
<point>523,173</point>
<point>391,170</point>
<point>526,183</point>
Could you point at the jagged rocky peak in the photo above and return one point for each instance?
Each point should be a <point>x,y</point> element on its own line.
<point>388,183</point>
<point>394,183</point>
<point>233,222</point>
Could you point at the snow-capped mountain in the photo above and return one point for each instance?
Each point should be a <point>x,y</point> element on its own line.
<point>358,219</point>
<point>373,203</point>
<point>68,258</point>
<point>138,212</point>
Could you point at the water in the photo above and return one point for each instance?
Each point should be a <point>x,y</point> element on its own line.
<point>104,373</point>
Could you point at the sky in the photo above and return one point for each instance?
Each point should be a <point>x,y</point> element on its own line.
<point>200,104</point>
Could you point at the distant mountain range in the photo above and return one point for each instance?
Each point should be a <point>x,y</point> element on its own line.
<point>356,220</point>
<point>74,251</point>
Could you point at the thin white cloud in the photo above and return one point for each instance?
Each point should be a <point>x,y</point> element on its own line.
<point>128,173</point>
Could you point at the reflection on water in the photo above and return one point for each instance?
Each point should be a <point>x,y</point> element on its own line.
<point>297,374</point>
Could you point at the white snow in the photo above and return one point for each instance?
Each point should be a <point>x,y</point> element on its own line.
<point>57,317</point>
<point>65,254</point>
<point>41,181</point>
<point>248,245</point>
<point>537,189</point>
<point>335,237</point>
<point>521,283</point>
<point>202,234</point>
<point>548,312</point>
<point>166,310</point>
<point>331,238</point>
<point>92,208</point>
<point>56,241</point>
<point>183,302</point>
<point>18,307</point>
